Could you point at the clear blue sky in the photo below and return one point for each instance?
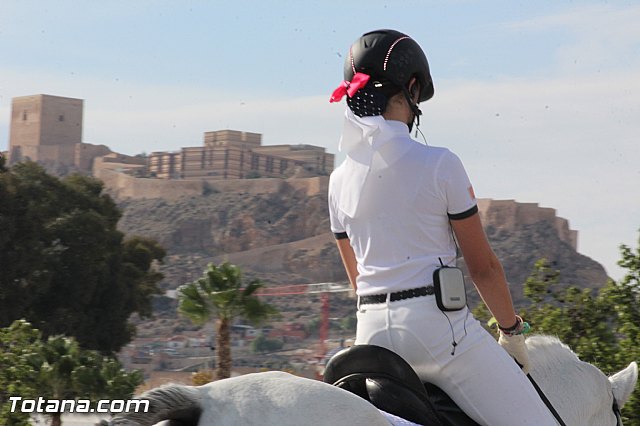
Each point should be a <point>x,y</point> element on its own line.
<point>540,99</point>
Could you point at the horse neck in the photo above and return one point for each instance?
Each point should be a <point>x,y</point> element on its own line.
<point>579,391</point>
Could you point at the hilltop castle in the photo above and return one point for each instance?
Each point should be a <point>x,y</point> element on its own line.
<point>48,129</point>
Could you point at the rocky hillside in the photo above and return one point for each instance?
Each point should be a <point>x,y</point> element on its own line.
<point>282,237</point>
<point>278,236</point>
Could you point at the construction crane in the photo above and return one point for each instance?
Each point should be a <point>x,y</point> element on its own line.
<point>323,289</point>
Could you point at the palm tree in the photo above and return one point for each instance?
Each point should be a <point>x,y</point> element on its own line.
<point>219,294</point>
<point>56,369</point>
<point>71,373</point>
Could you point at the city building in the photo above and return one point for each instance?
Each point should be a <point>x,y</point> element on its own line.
<point>232,154</point>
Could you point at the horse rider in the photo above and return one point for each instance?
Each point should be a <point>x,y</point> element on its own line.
<point>399,209</point>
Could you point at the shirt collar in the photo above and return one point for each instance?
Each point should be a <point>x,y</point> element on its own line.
<point>365,141</point>
<point>358,132</point>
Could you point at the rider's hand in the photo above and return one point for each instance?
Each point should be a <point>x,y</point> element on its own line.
<point>514,345</point>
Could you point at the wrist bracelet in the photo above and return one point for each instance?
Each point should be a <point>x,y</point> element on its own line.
<point>521,327</point>
<point>513,327</point>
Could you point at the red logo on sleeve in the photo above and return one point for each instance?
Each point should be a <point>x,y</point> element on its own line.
<point>471,193</point>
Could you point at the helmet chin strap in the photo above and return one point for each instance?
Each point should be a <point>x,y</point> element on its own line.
<point>414,108</point>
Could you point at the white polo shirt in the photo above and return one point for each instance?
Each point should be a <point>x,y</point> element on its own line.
<point>396,215</point>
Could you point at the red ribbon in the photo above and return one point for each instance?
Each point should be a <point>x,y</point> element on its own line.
<point>350,88</point>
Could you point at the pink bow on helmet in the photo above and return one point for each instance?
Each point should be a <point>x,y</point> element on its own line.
<point>350,88</point>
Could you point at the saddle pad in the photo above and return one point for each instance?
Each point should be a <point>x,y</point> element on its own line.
<point>397,421</point>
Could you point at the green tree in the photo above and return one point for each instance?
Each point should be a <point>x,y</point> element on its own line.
<point>63,258</point>
<point>262,344</point>
<point>624,296</point>
<point>69,372</point>
<point>219,294</point>
<point>56,368</point>
<point>19,354</point>
<point>601,326</point>
<point>582,318</point>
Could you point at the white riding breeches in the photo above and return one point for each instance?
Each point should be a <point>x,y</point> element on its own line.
<point>480,376</point>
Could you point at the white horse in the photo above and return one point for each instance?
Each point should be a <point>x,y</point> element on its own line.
<point>581,393</point>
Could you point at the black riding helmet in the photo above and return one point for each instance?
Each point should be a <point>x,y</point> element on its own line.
<point>390,56</point>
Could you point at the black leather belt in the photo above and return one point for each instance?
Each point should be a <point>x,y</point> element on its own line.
<point>398,295</point>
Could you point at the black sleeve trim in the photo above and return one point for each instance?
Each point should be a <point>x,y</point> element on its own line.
<point>340,235</point>
<point>458,216</point>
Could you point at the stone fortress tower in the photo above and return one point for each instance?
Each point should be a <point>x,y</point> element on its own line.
<point>45,128</point>
<point>48,129</point>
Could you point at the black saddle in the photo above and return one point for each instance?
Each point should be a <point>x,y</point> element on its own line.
<point>385,379</point>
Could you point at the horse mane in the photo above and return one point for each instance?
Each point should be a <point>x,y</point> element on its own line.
<point>177,403</point>
<point>545,349</point>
